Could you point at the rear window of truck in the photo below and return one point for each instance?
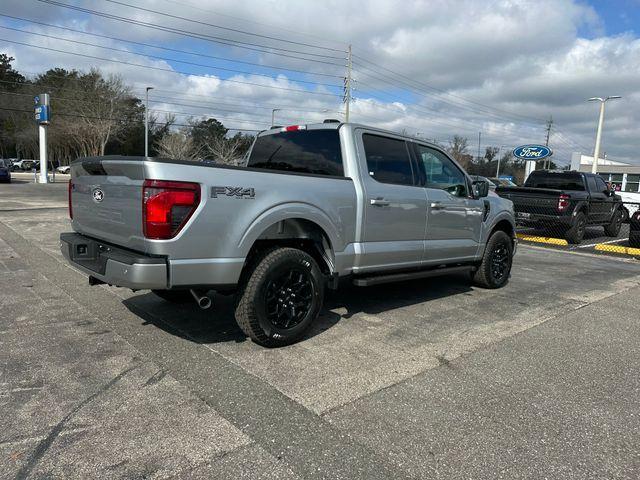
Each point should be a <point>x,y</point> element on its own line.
<point>302,151</point>
<point>555,181</point>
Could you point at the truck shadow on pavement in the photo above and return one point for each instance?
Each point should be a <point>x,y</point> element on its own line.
<point>217,325</point>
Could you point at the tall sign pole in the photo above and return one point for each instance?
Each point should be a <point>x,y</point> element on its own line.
<point>42,116</point>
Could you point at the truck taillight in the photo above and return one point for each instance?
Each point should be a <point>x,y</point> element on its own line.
<point>293,128</point>
<point>563,202</point>
<point>69,190</point>
<point>167,206</point>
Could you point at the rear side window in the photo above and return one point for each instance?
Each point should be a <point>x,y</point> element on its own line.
<point>388,159</point>
<point>555,181</point>
<point>591,181</point>
<point>601,186</point>
<point>303,151</point>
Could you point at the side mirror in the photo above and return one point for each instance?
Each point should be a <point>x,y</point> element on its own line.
<point>480,188</point>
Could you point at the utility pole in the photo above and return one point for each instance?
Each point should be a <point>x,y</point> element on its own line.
<point>547,161</point>
<point>146,122</point>
<point>596,150</point>
<point>479,136</point>
<point>347,86</point>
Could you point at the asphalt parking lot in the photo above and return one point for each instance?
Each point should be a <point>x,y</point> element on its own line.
<point>424,379</point>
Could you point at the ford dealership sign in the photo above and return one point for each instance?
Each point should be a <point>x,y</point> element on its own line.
<point>532,152</point>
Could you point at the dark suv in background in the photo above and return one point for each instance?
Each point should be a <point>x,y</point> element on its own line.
<point>566,202</point>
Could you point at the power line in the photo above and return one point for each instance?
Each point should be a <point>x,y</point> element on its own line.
<point>187,52</point>
<point>168,69</point>
<point>224,28</point>
<point>201,36</point>
<point>114,119</point>
<point>156,57</point>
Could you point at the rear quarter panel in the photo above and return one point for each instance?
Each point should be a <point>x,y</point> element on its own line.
<point>227,226</point>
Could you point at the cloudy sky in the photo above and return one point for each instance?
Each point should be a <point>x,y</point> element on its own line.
<point>434,68</point>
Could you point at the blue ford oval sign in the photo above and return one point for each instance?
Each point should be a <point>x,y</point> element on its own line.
<point>532,152</point>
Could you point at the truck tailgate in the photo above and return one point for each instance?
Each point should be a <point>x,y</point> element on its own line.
<point>532,200</point>
<point>106,199</point>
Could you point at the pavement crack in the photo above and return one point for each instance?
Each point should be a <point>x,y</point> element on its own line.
<point>46,442</point>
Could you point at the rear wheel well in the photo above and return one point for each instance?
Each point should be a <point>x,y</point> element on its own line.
<point>297,233</point>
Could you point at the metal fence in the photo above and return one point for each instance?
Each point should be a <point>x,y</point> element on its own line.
<point>606,225</point>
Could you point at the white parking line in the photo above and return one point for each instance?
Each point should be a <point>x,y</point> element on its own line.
<point>601,243</point>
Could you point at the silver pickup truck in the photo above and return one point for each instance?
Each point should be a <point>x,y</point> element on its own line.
<point>314,204</point>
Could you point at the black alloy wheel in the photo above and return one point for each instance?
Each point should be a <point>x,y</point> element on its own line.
<point>289,298</point>
<point>500,259</point>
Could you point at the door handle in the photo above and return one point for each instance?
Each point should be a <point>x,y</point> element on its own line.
<point>437,206</point>
<point>380,202</point>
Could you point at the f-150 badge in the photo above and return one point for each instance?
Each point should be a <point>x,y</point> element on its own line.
<point>237,192</point>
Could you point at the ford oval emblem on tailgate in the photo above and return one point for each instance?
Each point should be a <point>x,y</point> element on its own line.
<point>98,195</point>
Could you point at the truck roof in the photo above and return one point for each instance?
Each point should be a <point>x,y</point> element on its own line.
<point>337,125</point>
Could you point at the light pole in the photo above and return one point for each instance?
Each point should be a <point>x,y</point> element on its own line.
<point>273,115</point>
<point>146,122</point>
<point>596,150</point>
<point>498,169</point>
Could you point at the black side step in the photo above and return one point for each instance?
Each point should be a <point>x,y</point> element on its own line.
<point>400,277</point>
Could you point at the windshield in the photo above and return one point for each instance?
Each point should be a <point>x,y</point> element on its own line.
<point>2,164</point>
<point>304,151</point>
<point>555,181</point>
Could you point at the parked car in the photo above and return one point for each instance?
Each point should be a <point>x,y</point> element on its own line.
<point>5,171</point>
<point>64,169</point>
<point>566,201</point>
<point>634,230</point>
<point>19,165</point>
<point>314,205</point>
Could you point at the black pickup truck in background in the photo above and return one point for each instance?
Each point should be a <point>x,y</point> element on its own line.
<point>566,202</point>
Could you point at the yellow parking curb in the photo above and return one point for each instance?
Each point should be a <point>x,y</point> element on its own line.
<point>603,247</point>
<point>550,240</point>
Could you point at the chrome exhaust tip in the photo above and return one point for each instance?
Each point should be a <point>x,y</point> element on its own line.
<point>203,301</point>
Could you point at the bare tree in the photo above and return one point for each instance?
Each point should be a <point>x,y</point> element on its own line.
<point>458,150</point>
<point>226,150</point>
<point>178,145</point>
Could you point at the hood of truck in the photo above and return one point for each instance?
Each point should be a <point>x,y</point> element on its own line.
<point>106,199</point>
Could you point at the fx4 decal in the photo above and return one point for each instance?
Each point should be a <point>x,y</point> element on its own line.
<point>237,192</point>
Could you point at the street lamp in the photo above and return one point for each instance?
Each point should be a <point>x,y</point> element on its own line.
<point>146,122</point>
<point>273,115</point>
<point>596,150</point>
<point>498,169</point>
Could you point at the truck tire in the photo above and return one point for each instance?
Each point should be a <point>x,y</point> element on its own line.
<point>613,228</point>
<point>575,234</point>
<point>280,297</point>
<point>495,269</point>
<point>174,296</point>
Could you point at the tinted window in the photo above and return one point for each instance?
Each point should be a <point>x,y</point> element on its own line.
<point>557,181</point>
<point>388,159</point>
<point>440,172</point>
<point>2,164</point>
<point>601,186</point>
<point>304,151</point>
<point>591,181</point>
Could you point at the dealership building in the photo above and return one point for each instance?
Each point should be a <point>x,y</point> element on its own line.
<point>625,176</point>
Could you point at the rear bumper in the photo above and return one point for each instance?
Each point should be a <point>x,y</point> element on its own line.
<point>114,265</point>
